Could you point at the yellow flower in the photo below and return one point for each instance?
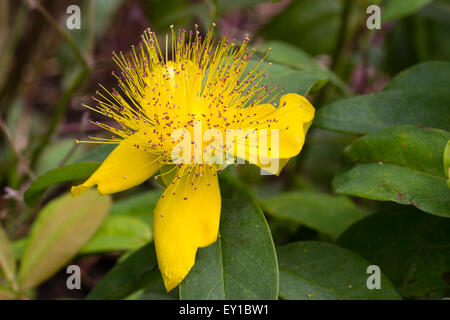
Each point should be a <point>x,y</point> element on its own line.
<point>205,83</point>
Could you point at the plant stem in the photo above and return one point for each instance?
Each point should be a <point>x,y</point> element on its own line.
<point>342,35</point>
<point>62,104</point>
<point>91,35</point>
<point>34,4</point>
<point>57,114</point>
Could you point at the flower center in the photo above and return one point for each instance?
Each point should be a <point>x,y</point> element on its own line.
<point>202,84</point>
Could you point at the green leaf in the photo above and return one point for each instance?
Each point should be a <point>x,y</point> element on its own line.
<point>401,164</point>
<point>6,293</point>
<point>387,182</point>
<point>104,12</point>
<point>290,80</point>
<point>411,248</point>
<point>19,247</point>
<point>54,153</point>
<point>138,206</point>
<point>424,77</point>
<point>98,154</point>
<point>7,259</point>
<point>411,98</point>
<point>311,25</point>
<point>241,264</point>
<point>397,9</point>
<point>168,173</point>
<point>118,233</point>
<point>320,211</point>
<point>447,162</point>
<point>289,55</point>
<point>67,173</point>
<point>313,270</point>
<point>62,228</point>
<point>139,270</point>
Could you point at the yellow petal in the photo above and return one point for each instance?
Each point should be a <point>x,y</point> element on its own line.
<point>125,167</point>
<point>186,217</point>
<point>292,118</point>
<point>274,169</point>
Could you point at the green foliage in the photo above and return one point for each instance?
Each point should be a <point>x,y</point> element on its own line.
<point>310,25</point>
<point>6,293</point>
<point>447,162</point>
<point>67,173</point>
<point>289,79</point>
<point>319,211</point>
<point>315,270</point>
<point>395,9</point>
<point>53,154</point>
<point>139,206</point>
<point>417,96</point>
<point>61,229</point>
<point>118,233</point>
<point>241,264</point>
<point>134,273</point>
<point>294,57</point>
<point>97,154</point>
<point>7,258</point>
<point>411,248</point>
<point>401,164</point>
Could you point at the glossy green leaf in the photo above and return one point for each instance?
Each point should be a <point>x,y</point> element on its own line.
<point>157,291</point>
<point>386,182</point>
<point>118,233</point>
<point>401,164</point>
<point>319,211</point>
<point>134,273</point>
<point>67,173</point>
<point>289,79</point>
<point>63,226</point>
<point>7,259</point>
<point>447,162</point>
<point>98,154</point>
<point>411,248</point>
<point>241,264</point>
<point>424,77</point>
<point>406,146</point>
<point>397,9</point>
<point>313,270</point>
<point>287,54</point>
<point>411,98</point>
<point>374,112</point>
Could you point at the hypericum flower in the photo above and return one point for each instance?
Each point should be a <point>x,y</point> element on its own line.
<point>193,81</point>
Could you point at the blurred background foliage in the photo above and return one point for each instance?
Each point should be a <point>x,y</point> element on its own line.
<point>321,49</point>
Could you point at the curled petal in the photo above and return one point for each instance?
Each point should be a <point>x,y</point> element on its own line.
<point>125,167</point>
<point>186,217</point>
<point>291,121</point>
